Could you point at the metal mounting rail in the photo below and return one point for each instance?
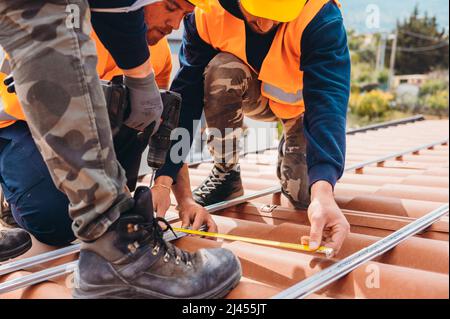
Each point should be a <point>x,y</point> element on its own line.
<point>57,271</point>
<point>38,277</point>
<point>243,199</point>
<point>395,155</point>
<point>39,259</point>
<point>338,270</point>
<point>378,126</point>
<point>364,129</point>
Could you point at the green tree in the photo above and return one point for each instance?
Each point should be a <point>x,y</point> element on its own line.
<point>373,104</point>
<point>432,87</point>
<point>422,47</point>
<point>437,103</point>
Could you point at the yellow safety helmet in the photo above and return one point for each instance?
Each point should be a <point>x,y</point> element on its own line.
<point>278,10</point>
<point>202,4</point>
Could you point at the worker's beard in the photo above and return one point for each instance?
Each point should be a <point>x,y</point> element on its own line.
<point>255,28</point>
<point>154,35</point>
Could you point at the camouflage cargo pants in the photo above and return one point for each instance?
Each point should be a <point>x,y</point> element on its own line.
<point>54,67</point>
<point>233,90</point>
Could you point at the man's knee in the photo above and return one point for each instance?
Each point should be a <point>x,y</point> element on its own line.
<point>296,190</point>
<point>36,204</point>
<point>226,72</point>
<point>293,173</point>
<point>43,212</point>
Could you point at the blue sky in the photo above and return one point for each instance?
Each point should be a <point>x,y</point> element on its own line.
<point>390,10</point>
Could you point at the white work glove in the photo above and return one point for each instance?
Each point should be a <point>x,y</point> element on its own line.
<point>145,102</point>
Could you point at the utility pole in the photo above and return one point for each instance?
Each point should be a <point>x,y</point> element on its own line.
<point>381,53</point>
<point>394,37</point>
<point>378,61</point>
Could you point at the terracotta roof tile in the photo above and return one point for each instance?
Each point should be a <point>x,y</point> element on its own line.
<point>377,200</point>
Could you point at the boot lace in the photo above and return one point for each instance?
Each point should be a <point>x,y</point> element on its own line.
<point>156,235</point>
<point>210,184</point>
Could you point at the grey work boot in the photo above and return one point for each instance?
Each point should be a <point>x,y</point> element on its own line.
<point>132,260</point>
<point>13,243</point>
<point>219,186</point>
<point>6,216</point>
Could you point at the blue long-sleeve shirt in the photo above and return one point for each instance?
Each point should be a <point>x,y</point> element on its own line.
<point>325,61</point>
<point>122,34</point>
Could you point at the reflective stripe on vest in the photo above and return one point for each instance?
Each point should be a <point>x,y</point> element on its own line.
<point>280,95</point>
<point>5,116</point>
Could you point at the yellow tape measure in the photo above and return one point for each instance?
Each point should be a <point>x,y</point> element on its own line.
<point>329,252</point>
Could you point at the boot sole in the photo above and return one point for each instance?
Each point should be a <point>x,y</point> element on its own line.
<point>130,292</point>
<point>234,195</point>
<point>16,252</point>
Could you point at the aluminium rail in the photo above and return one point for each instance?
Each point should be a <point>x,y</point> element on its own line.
<point>373,127</point>
<point>382,159</point>
<point>338,270</point>
<point>32,261</point>
<point>378,126</point>
<point>38,259</point>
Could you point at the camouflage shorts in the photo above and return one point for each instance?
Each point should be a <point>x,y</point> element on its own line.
<point>54,66</point>
<point>233,90</point>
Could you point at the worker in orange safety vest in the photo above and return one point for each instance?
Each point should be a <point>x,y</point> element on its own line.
<point>60,171</point>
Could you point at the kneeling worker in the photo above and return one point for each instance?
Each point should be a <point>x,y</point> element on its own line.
<point>123,252</point>
<point>282,61</point>
<point>30,198</point>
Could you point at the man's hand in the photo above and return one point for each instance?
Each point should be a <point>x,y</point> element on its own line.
<point>145,102</point>
<point>195,215</point>
<point>145,99</point>
<point>329,227</point>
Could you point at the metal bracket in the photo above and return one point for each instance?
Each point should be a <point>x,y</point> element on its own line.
<point>268,209</point>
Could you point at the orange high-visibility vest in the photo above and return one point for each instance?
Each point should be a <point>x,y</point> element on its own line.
<point>280,74</point>
<point>160,56</point>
